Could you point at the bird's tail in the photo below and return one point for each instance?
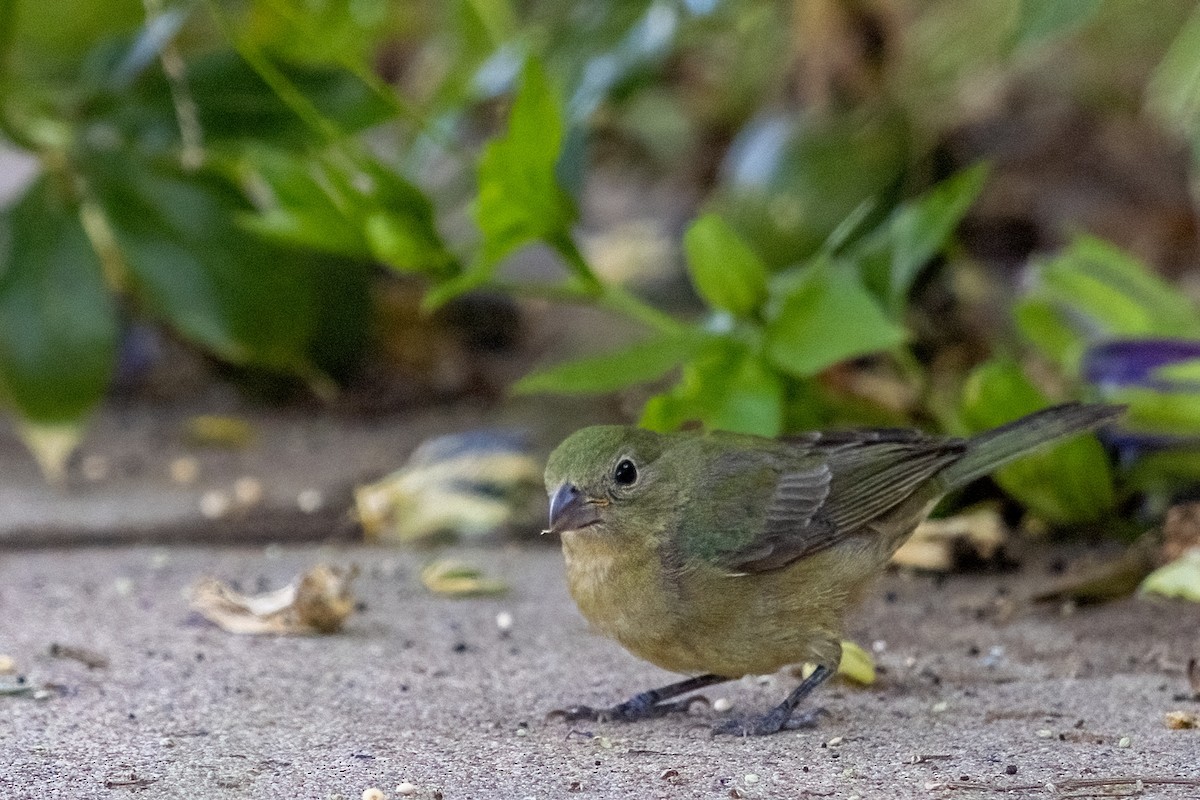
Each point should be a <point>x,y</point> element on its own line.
<point>997,447</point>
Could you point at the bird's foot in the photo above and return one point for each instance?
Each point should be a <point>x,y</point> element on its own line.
<point>636,708</point>
<point>777,719</point>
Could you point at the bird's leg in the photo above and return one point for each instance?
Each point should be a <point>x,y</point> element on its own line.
<point>780,717</point>
<point>645,705</point>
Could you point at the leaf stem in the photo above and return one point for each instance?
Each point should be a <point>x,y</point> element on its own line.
<point>287,91</point>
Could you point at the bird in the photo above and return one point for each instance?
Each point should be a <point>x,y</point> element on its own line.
<point>718,555</point>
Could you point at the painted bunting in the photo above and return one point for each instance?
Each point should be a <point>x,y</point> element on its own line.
<point>721,555</point>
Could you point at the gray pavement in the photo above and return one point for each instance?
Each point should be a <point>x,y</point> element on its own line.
<point>426,690</point>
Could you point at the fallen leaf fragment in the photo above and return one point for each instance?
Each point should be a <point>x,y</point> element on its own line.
<point>856,665</point>
<point>456,579</point>
<point>1180,578</point>
<point>463,485</point>
<point>316,602</point>
<point>956,543</point>
<point>213,430</point>
<point>1181,720</point>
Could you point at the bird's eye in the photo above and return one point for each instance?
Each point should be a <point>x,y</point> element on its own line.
<point>626,473</point>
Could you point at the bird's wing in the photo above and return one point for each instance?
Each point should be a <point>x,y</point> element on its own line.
<point>843,481</point>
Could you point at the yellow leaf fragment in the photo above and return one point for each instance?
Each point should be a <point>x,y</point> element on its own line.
<point>212,430</point>
<point>1180,578</point>
<point>456,579</point>
<point>318,601</point>
<point>856,666</point>
<point>51,445</point>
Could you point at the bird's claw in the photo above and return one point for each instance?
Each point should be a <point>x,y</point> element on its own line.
<point>773,721</point>
<point>629,711</point>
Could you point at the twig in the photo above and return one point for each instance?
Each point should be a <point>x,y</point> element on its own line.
<point>1064,785</point>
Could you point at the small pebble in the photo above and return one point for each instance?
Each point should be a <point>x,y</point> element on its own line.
<point>373,793</point>
<point>1124,742</point>
<point>310,501</point>
<point>668,774</point>
<point>166,741</point>
<point>184,470</point>
<point>43,694</point>
<point>214,504</point>
<point>406,788</point>
<point>248,491</point>
<point>879,646</point>
<point>504,622</point>
<point>123,586</point>
<point>750,778</point>
<point>722,704</point>
<point>940,706</point>
<point>1045,733</point>
<point>835,741</point>
<point>1011,769</point>
<point>8,664</point>
<point>94,468</point>
<point>522,731</point>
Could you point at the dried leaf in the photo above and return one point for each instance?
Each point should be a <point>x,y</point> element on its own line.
<point>955,544</point>
<point>1181,720</point>
<point>51,445</point>
<point>467,485</point>
<point>1181,530</point>
<point>456,579</point>
<point>1193,675</point>
<point>317,602</point>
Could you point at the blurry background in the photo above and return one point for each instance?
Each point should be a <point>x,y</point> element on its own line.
<point>251,254</point>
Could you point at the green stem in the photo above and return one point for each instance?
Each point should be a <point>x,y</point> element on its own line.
<point>616,298</point>
<point>287,91</point>
<point>372,81</point>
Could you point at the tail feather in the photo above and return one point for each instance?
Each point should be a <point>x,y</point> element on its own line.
<point>994,448</point>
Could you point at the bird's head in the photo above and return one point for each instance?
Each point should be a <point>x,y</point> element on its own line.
<point>601,479</point>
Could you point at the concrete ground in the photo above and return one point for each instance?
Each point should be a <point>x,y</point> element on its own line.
<point>976,688</point>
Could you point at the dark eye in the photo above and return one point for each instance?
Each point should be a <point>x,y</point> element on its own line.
<point>626,473</point>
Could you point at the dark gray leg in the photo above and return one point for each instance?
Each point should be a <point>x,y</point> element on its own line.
<point>642,706</point>
<point>780,717</point>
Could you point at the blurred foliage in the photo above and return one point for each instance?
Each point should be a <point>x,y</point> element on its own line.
<point>241,172</point>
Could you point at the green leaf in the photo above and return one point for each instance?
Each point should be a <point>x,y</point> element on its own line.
<point>1071,482</point>
<point>725,387</point>
<point>1092,292</point>
<point>1174,89</point>
<point>58,320</point>
<point>519,199</point>
<point>193,266</point>
<point>234,104</point>
<point>608,372</point>
<point>917,232</point>
<point>1042,19</point>
<point>723,268</point>
<point>827,317</point>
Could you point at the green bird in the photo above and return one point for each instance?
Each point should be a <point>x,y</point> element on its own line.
<point>719,555</point>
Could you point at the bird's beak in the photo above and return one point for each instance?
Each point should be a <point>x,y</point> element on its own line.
<point>570,510</point>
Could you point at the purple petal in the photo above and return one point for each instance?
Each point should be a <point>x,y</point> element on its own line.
<point>1133,362</point>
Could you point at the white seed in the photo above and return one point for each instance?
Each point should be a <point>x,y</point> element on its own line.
<point>750,778</point>
<point>184,470</point>
<point>1125,742</point>
<point>248,491</point>
<point>879,646</point>
<point>374,793</point>
<point>504,621</point>
<point>940,706</point>
<point>406,788</point>
<point>722,704</point>
<point>310,500</point>
<point>835,741</point>
<point>1045,733</point>
<point>214,504</point>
